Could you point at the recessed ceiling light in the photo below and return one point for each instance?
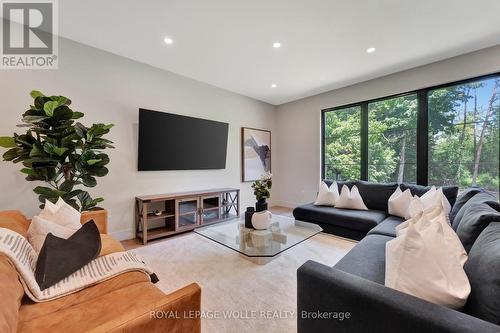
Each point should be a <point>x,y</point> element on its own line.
<point>370,50</point>
<point>168,40</point>
<point>276,45</point>
<point>274,85</point>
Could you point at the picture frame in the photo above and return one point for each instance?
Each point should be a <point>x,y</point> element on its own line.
<point>255,153</point>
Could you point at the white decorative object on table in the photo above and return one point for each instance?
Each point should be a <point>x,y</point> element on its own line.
<point>262,220</point>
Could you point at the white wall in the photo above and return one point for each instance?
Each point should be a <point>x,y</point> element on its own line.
<point>298,137</point>
<point>110,89</point>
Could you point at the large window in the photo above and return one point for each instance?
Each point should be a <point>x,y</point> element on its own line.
<point>436,136</point>
<point>342,142</point>
<point>463,134</point>
<point>392,138</point>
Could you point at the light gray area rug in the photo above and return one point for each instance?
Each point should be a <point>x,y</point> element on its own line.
<point>238,295</point>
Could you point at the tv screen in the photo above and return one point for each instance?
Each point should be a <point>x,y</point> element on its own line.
<point>173,142</point>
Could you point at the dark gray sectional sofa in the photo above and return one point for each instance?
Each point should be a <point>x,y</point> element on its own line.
<point>355,224</point>
<point>351,296</point>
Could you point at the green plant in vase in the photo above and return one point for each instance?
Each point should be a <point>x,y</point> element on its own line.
<point>55,149</point>
<point>261,190</point>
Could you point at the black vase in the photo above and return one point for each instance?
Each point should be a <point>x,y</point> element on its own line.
<point>261,205</point>
<point>248,217</point>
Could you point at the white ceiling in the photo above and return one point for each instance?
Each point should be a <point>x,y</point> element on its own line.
<point>228,43</point>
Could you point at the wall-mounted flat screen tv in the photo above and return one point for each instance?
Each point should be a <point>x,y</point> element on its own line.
<point>173,142</point>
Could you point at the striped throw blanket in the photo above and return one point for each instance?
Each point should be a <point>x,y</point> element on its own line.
<point>24,258</point>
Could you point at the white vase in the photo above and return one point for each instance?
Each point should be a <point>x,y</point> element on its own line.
<point>262,220</point>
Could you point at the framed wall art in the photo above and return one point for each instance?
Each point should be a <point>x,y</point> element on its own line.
<point>255,153</point>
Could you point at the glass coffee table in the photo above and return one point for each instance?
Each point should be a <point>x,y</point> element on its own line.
<point>260,246</point>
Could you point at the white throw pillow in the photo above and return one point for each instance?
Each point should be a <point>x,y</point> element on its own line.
<point>40,228</point>
<point>50,207</point>
<point>399,202</point>
<point>416,207</point>
<point>350,199</point>
<point>60,219</point>
<point>436,215</point>
<point>430,199</point>
<point>423,264</point>
<point>62,214</point>
<point>444,201</point>
<point>327,196</point>
<point>421,218</point>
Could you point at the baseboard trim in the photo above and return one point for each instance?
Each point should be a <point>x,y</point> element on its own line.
<point>123,235</point>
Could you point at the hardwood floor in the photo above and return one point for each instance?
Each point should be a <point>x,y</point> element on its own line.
<point>280,210</point>
<point>130,244</point>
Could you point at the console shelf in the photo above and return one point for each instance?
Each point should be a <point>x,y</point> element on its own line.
<point>184,211</point>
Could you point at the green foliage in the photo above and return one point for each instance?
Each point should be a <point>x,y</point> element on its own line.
<point>56,150</point>
<point>262,186</point>
<point>343,144</point>
<point>392,139</point>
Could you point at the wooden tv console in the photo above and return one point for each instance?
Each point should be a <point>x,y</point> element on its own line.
<point>163,215</point>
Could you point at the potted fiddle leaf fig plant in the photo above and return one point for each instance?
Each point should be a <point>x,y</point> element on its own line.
<point>55,149</point>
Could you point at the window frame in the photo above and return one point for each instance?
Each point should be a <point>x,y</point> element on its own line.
<point>422,126</point>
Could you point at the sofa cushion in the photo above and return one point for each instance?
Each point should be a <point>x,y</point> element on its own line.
<point>109,312</point>
<point>11,291</point>
<point>15,221</point>
<point>366,259</point>
<point>30,310</point>
<point>450,192</point>
<point>462,200</point>
<point>483,270</point>
<point>362,220</point>
<point>387,227</point>
<point>474,220</point>
<point>475,200</point>
<point>376,195</point>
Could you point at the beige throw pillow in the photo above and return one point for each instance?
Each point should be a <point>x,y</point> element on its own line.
<point>62,214</point>
<point>399,202</point>
<point>430,199</point>
<point>426,260</point>
<point>40,228</point>
<point>327,196</point>
<point>350,199</point>
<point>436,215</point>
<point>60,219</point>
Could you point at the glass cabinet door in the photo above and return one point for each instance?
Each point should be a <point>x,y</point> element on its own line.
<point>211,209</point>
<point>187,213</point>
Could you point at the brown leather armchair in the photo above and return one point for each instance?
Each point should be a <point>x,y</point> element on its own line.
<point>126,303</point>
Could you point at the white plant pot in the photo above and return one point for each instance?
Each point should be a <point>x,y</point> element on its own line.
<point>262,220</point>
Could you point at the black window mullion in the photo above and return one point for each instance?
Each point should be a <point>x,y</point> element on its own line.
<point>364,141</point>
<point>422,138</point>
<point>323,146</point>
